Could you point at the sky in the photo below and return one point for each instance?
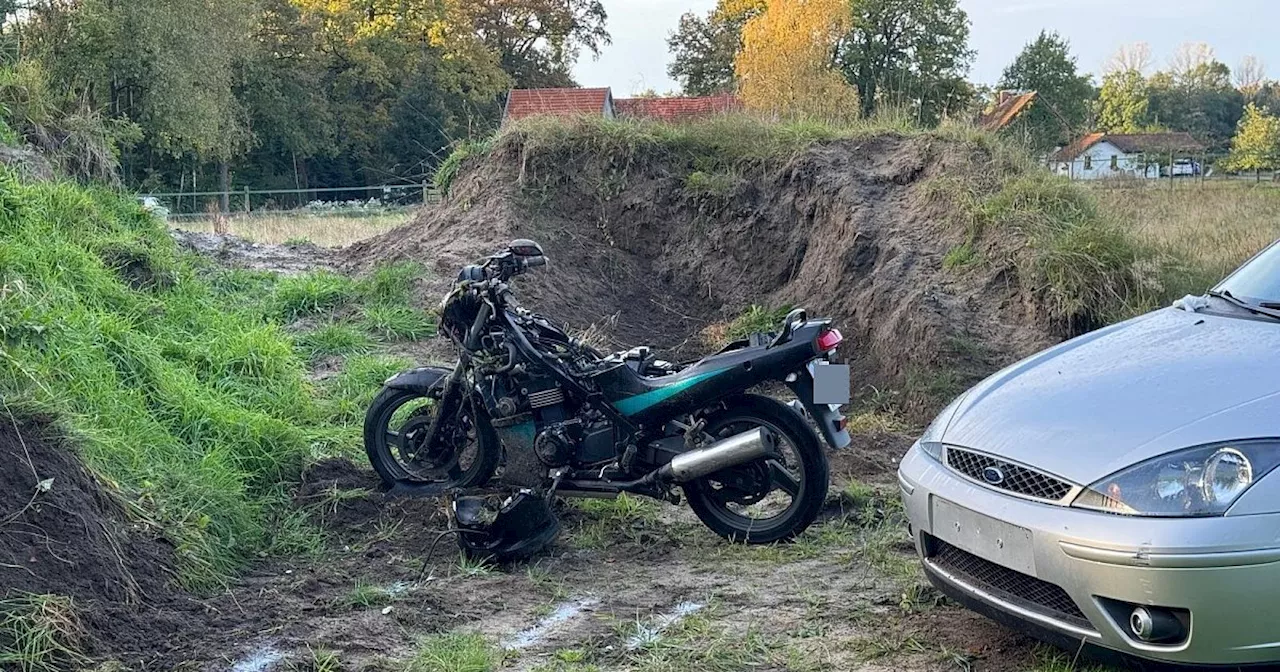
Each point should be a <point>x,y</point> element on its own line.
<point>637,59</point>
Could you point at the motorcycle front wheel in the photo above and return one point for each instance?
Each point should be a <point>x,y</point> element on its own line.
<point>767,500</point>
<point>465,454</point>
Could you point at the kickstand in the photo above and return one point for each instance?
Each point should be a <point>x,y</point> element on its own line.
<point>557,476</point>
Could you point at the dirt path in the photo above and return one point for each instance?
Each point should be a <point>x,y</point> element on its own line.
<point>631,585</point>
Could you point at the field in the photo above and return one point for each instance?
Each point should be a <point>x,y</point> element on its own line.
<point>214,400</point>
<point>326,230</point>
<point>1212,227</point>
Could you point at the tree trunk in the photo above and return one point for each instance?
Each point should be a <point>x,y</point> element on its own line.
<point>224,185</point>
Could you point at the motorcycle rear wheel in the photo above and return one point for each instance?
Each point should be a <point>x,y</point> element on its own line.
<point>466,453</point>
<point>745,504</point>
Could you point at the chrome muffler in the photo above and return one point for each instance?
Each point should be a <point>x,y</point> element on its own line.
<point>736,450</point>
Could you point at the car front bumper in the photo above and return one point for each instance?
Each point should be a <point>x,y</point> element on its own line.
<point>1225,571</point>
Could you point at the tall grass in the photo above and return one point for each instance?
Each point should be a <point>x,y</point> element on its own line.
<point>330,230</point>
<point>179,384</point>
<point>1210,228</point>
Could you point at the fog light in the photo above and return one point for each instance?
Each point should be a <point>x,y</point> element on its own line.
<point>1155,625</point>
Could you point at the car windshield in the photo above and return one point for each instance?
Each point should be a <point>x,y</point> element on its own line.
<point>1258,281</point>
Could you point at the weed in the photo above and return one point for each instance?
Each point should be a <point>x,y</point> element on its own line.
<point>390,284</point>
<point>757,319</point>
<point>369,595</point>
<point>40,633</point>
<point>455,652</point>
<point>471,568</point>
<point>608,520</point>
<point>960,255</point>
<point>311,293</point>
<point>322,660</point>
<point>399,323</point>
<point>1050,659</point>
<point>333,339</point>
<point>453,164</point>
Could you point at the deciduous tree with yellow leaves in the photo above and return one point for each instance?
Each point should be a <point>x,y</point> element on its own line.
<point>785,65</point>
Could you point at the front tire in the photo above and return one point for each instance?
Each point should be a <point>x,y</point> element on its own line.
<point>466,455</point>
<point>728,501</point>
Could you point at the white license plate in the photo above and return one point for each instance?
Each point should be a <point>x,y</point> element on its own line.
<point>984,536</point>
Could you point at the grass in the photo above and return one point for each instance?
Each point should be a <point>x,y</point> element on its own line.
<point>40,633</point>
<point>398,323</point>
<point>337,230</point>
<point>1210,228</point>
<point>177,380</point>
<point>607,521</point>
<point>455,652</point>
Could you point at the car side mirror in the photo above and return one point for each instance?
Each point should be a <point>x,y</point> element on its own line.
<point>524,247</point>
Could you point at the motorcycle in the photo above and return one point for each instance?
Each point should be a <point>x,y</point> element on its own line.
<point>546,414</point>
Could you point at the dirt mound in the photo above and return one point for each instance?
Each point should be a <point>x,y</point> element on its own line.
<point>653,249</point>
<point>62,533</point>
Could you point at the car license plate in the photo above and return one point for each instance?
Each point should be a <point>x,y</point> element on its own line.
<point>984,536</point>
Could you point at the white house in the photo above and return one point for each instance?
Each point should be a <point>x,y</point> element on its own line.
<point>1139,155</point>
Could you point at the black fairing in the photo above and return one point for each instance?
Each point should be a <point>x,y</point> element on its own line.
<point>419,380</point>
<point>714,377</point>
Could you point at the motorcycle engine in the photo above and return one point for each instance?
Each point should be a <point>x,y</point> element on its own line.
<point>562,436</point>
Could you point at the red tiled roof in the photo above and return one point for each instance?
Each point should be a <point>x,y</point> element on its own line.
<point>673,109</point>
<point>523,103</point>
<point>1132,143</point>
<point>1007,108</point>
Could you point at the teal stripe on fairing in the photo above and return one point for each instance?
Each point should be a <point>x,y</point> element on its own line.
<point>633,405</point>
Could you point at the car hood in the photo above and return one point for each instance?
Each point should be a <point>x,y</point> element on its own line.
<point>1089,407</point>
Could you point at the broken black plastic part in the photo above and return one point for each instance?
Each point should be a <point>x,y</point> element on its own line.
<point>520,529</point>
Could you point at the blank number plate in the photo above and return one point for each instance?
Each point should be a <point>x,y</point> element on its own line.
<point>984,536</point>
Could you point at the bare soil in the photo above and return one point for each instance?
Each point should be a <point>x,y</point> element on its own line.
<point>610,590</point>
<point>852,230</point>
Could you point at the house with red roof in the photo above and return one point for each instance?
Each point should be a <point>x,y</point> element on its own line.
<point>678,108</point>
<point>523,103</point>
<point>1008,106</point>
<point>1136,155</point>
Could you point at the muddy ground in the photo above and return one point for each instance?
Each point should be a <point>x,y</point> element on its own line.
<point>630,585</point>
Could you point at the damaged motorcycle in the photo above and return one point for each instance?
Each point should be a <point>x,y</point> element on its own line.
<point>530,412</point>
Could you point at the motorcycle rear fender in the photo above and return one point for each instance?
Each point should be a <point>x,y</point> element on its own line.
<point>420,380</point>
<point>826,416</point>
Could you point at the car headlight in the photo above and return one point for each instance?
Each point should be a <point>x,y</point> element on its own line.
<point>931,441</point>
<point>1201,481</point>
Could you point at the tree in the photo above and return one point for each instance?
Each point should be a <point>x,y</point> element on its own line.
<point>1190,58</point>
<point>908,53</point>
<point>784,67</point>
<point>703,49</point>
<point>1256,145</point>
<point>1197,98</point>
<point>1250,75</point>
<point>1134,57</point>
<point>1064,96</point>
<point>1123,103</point>
<point>538,41</point>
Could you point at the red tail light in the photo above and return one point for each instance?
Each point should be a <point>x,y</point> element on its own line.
<point>829,340</point>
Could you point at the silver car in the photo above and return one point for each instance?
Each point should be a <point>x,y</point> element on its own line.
<point>1116,491</point>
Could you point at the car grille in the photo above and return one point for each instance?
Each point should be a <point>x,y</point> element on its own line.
<point>1016,479</point>
<point>1006,584</point>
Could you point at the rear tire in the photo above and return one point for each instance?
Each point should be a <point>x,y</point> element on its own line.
<point>388,458</point>
<point>810,469</point>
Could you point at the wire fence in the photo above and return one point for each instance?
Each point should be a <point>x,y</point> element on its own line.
<point>248,202</point>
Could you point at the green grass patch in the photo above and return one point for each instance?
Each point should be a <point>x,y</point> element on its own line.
<point>399,323</point>
<point>177,380</point>
<point>40,633</point>
<point>312,293</point>
<point>333,339</point>
<point>455,652</point>
<point>757,319</point>
<point>452,165</point>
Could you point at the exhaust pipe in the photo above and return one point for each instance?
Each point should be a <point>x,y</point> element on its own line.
<point>738,449</point>
<point>1155,625</point>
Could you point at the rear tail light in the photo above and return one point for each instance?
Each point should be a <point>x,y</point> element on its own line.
<point>829,340</point>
